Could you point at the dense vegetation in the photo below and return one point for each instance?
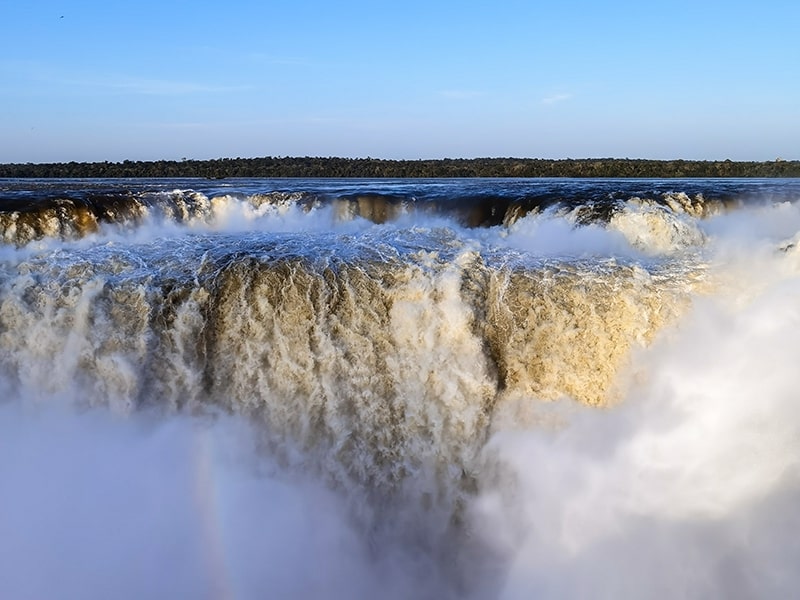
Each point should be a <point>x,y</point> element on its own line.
<point>373,167</point>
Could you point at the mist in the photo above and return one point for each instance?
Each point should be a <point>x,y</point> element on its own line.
<point>98,506</point>
<point>689,486</point>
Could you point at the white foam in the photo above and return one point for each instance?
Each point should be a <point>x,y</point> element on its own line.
<point>551,234</point>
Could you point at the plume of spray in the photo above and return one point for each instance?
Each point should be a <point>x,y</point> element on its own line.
<point>690,486</point>
<point>98,506</point>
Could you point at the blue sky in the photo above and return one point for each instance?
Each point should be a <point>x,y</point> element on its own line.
<point>89,80</point>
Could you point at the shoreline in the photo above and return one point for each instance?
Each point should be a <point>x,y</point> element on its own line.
<point>333,167</point>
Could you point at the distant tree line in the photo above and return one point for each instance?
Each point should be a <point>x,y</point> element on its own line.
<point>376,168</point>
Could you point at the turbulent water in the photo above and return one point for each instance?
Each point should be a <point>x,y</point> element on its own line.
<point>399,388</point>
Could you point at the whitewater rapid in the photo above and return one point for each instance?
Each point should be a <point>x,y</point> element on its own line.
<point>414,388</point>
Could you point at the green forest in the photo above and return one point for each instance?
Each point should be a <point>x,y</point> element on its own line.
<point>377,168</point>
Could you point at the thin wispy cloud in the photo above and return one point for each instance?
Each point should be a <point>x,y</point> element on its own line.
<point>460,94</point>
<point>114,83</point>
<point>556,98</point>
<point>165,87</point>
<point>287,61</point>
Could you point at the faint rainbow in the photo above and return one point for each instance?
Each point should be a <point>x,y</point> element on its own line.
<point>207,500</point>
